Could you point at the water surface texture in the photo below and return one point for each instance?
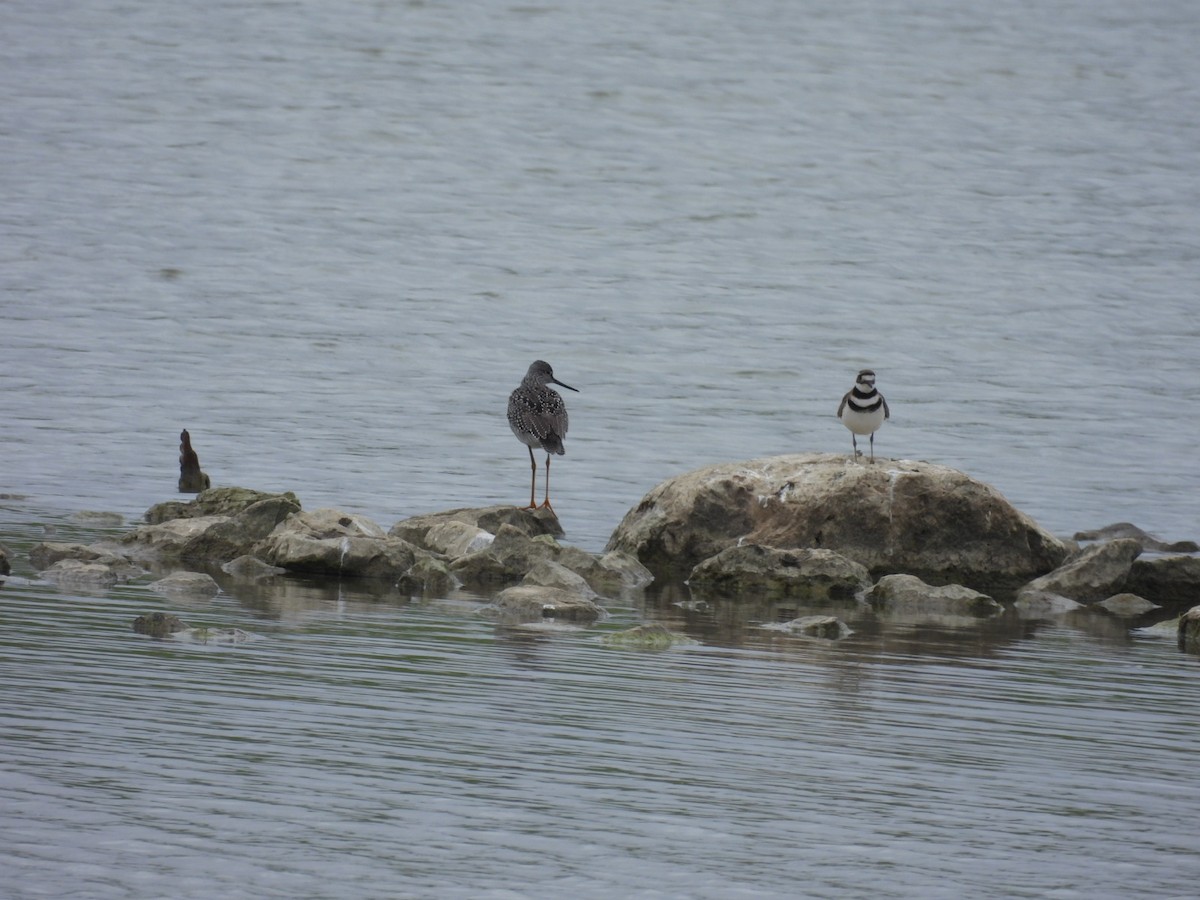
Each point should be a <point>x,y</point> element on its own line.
<point>329,237</point>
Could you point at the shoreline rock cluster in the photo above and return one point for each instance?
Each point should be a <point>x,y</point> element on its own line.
<point>813,528</point>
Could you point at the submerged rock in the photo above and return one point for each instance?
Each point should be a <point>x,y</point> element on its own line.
<point>528,602</point>
<point>77,573</point>
<point>1130,531</point>
<point>799,573</point>
<point>44,555</point>
<point>1127,606</point>
<point>829,628</point>
<point>909,594</point>
<point>193,583</point>
<point>250,567</point>
<point>897,516</point>
<point>158,624</point>
<point>650,636</point>
<point>1044,605</point>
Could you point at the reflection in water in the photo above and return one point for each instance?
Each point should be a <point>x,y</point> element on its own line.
<point>416,743</point>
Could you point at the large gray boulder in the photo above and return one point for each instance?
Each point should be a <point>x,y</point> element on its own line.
<point>773,573</point>
<point>897,516</point>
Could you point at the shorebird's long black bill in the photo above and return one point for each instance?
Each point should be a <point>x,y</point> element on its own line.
<point>567,386</point>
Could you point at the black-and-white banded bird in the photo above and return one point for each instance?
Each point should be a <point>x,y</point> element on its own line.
<point>863,410</point>
<point>538,417</point>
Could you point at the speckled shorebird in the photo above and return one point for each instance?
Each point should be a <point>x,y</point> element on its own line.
<point>538,417</point>
<point>863,410</point>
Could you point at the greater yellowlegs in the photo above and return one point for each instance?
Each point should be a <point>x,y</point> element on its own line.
<point>863,410</point>
<point>538,417</point>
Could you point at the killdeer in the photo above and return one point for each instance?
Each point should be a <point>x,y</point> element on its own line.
<point>538,417</point>
<point>863,410</point>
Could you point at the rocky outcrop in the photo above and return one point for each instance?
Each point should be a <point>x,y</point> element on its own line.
<point>897,516</point>
<point>1091,574</point>
<point>811,575</point>
<point>909,595</point>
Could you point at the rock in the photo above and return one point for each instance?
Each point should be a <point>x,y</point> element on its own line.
<point>547,573</point>
<point>488,519</point>
<point>166,540</point>
<point>427,576</point>
<point>329,542</point>
<point>529,602</point>
<point>1189,628</point>
<point>803,574</point>
<point>226,501</point>
<point>1044,605</point>
<point>909,594</point>
<point>77,573</point>
<point>895,516</point>
<point>1092,574</point>
<point>610,574</point>
<point>1131,531</point>
<point>237,536</point>
<point>650,636</point>
<point>158,624</point>
<point>191,479</point>
<point>250,567</point>
<point>47,553</point>
<point>1127,606</point>
<point>1170,581</point>
<point>5,565</point>
<point>827,627</point>
<point>506,559</point>
<point>193,583</point>
<point>452,538</point>
<point>98,519</point>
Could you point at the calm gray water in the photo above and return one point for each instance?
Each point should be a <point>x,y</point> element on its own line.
<point>329,237</point>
